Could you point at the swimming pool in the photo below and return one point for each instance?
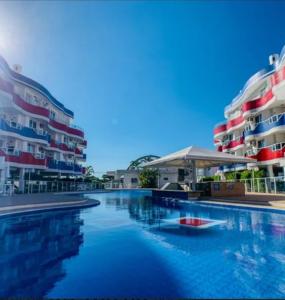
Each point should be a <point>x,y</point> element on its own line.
<point>123,248</point>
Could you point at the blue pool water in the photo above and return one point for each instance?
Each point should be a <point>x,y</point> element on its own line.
<point>121,248</point>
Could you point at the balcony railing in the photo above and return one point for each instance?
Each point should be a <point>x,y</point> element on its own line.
<point>25,158</point>
<point>257,103</point>
<point>16,128</point>
<point>270,152</point>
<point>264,126</point>
<point>219,129</point>
<point>231,124</point>
<point>31,108</point>
<point>234,143</point>
<point>65,128</point>
<point>64,147</point>
<point>40,111</point>
<point>63,166</point>
<point>278,76</point>
<point>251,81</point>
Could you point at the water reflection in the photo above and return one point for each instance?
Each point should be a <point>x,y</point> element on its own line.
<point>242,258</point>
<point>33,248</point>
<point>250,244</point>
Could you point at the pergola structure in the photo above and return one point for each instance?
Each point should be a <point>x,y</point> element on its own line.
<point>195,157</point>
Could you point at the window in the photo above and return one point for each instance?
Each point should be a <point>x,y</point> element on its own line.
<point>31,148</point>
<point>181,174</point>
<point>11,149</point>
<point>52,115</point>
<point>247,127</point>
<point>261,144</point>
<point>33,124</point>
<point>273,119</point>
<point>29,98</point>
<point>258,118</point>
<point>165,178</point>
<point>134,180</point>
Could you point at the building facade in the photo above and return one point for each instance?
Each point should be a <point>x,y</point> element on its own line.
<point>255,120</point>
<point>36,131</point>
<point>130,178</point>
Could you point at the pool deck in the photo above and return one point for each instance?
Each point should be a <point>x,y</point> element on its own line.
<point>251,199</point>
<point>37,202</point>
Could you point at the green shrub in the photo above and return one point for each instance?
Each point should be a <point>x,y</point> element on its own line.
<point>148,178</point>
<point>230,175</point>
<point>246,174</point>
<point>208,178</point>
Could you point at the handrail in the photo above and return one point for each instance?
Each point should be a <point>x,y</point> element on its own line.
<point>76,127</point>
<point>269,120</point>
<point>253,79</point>
<point>273,147</point>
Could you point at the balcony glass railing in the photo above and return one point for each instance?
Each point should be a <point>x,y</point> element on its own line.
<point>252,80</point>
<point>16,128</point>
<point>274,121</point>
<point>63,166</point>
<point>270,152</point>
<point>239,141</point>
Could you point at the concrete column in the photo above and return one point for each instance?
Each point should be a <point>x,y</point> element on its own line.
<point>7,171</point>
<point>270,171</point>
<point>158,177</point>
<point>22,180</point>
<point>194,175</point>
<point>270,185</point>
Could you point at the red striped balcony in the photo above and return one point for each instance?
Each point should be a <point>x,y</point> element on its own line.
<point>235,122</point>
<point>7,87</point>
<point>33,109</point>
<point>220,148</point>
<point>257,103</point>
<point>217,142</point>
<point>25,158</point>
<point>61,146</point>
<point>78,151</point>
<point>220,129</point>
<point>65,128</point>
<point>234,144</point>
<point>278,76</point>
<point>275,151</point>
<point>223,128</point>
<point>84,143</point>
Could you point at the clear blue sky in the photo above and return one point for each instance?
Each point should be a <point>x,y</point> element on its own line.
<point>142,77</point>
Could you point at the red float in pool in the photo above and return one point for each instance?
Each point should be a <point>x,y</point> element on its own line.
<point>194,222</point>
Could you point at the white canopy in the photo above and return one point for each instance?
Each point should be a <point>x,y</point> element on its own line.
<point>196,157</point>
<point>203,158</point>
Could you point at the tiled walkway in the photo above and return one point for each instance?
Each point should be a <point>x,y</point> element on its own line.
<point>269,200</point>
<point>31,202</point>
